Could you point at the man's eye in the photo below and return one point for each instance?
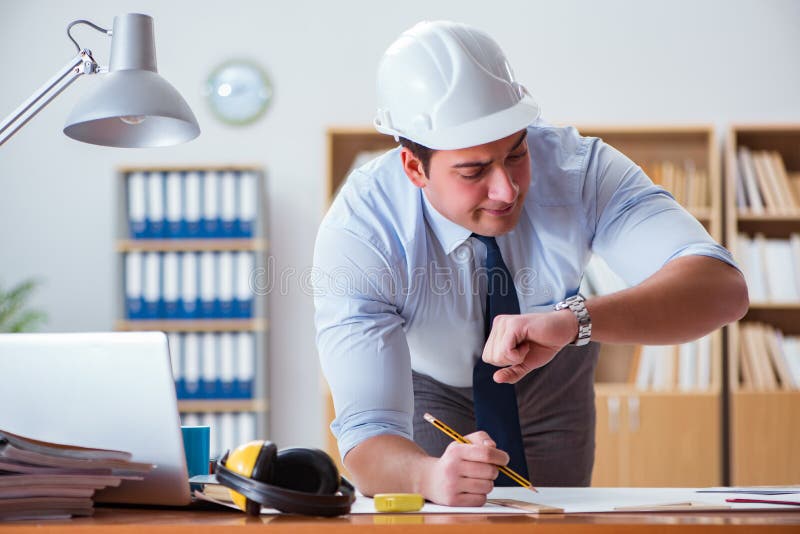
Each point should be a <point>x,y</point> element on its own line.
<point>472,176</point>
<point>516,157</point>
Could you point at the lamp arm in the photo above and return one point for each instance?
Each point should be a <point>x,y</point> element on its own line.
<point>83,63</point>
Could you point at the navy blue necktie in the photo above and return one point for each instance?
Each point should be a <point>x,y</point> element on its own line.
<point>495,404</point>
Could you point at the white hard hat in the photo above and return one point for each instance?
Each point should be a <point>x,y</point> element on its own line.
<point>446,86</point>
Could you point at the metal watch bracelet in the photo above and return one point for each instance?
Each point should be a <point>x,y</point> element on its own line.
<point>577,305</point>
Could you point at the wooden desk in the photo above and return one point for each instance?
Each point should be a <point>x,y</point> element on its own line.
<point>129,521</point>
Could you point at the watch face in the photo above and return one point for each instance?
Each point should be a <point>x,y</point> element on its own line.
<point>238,92</point>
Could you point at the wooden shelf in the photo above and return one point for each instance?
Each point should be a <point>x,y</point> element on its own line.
<point>763,430</point>
<point>781,306</point>
<point>624,389</point>
<point>195,325</point>
<point>190,245</point>
<point>785,318</point>
<point>770,225</point>
<point>746,217</point>
<point>222,405</point>
<point>191,168</point>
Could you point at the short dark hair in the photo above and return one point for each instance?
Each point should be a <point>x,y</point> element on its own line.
<point>421,152</point>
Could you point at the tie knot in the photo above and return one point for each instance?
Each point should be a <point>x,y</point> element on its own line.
<point>489,241</point>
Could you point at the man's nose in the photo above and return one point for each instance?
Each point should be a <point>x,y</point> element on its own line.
<point>502,186</point>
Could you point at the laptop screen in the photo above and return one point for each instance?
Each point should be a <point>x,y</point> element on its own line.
<point>105,390</point>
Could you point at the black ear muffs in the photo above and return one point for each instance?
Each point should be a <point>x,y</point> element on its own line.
<point>300,481</point>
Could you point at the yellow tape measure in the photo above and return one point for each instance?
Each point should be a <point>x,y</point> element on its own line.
<point>398,502</point>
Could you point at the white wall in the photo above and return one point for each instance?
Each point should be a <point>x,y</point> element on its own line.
<point>616,61</point>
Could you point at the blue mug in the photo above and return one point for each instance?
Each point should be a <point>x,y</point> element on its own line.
<point>196,445</point>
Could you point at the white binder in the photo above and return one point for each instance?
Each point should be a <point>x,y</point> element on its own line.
<point>208,284</point>
<point>191,419</point>
<point>192,209</point>
<point>245,363</point>
<point>155,205</point>
<point>228,204</point>
<point>176,358</point>
<point>245,273</point>
<point>171,277</point>
<point>210,205</point>
<point>191,365</point>
<point>137,205</point>
<point>227,365</point>
<point>208,365</point>
<point>225,281</point>
<point>228,432</point>
<point>247,205</point>
<point>247,427</point>
<point>134,300</point>
<point>152,285</point>
<point>189,286</point>
<point>174,227</point>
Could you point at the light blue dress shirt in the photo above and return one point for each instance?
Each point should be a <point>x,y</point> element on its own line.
<point>397,286</point>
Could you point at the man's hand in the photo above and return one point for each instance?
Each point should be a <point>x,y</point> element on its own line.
<point>522,343</point>
<point>465,473</point>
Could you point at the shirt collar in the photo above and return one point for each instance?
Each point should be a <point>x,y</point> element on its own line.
<point>449,234</point>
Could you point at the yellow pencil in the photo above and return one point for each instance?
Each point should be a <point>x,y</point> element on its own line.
<point>510,473</point>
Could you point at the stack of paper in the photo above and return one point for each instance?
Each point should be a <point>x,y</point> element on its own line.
<point>41,479</point>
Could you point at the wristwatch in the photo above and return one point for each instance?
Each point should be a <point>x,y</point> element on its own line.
<point>576,304</point>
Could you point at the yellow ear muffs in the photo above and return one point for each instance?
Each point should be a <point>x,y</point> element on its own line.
<point>298,481</point>
<point>253,460</point>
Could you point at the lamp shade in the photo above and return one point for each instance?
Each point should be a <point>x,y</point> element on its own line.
<point>132,106</point>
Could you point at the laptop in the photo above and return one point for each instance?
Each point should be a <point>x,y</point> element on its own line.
<point>107,390</point>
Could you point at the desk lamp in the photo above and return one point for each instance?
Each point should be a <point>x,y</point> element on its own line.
<point>132,105</point>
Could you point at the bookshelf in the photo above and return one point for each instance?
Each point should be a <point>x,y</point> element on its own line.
<point>636,429</point>
<point>764,416</point>
<point>662,434</point>
<point>190,240</point>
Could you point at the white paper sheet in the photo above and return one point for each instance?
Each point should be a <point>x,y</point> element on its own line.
<point>589,500</point>
<point>592,500</point>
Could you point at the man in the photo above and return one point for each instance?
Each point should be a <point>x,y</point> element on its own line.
<point>450,268</point>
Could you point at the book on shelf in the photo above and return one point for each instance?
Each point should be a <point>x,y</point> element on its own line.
<point>687,183</point>
<point>46,479</point>
<point>763,184</point>
<point>771,267</point>
<point>768,360</point>
<point>685,367</point>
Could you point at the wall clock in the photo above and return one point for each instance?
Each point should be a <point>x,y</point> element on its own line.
<point>239,92</point>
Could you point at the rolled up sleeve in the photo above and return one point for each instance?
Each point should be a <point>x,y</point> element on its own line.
<point>639,226</point>
<point>360,338</point>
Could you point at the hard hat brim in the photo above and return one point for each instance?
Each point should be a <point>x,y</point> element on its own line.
<point>478,132</point>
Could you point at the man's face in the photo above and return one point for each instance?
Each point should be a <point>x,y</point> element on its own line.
<point>481,188</point>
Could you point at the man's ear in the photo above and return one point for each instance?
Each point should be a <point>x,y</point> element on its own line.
<point>413,168</point>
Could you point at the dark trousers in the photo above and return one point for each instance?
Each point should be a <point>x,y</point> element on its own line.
<point>556,410</point>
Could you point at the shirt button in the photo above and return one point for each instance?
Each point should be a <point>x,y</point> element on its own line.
<point>463,253</point>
